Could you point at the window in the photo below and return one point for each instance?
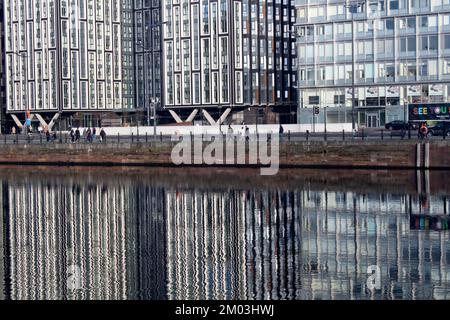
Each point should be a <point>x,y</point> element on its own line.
<point>446,42</point>
<point>393,5</point>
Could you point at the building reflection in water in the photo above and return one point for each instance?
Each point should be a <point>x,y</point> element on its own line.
<point>143,241</point>
<point>107,236</point>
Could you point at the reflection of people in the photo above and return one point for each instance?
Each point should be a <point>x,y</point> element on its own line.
<point>424,204</point>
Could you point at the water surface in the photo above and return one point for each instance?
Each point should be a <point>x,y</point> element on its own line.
<point>222,234</point>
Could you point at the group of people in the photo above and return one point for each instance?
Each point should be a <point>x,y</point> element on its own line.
<point>245,132</point>
<point>90,135</point>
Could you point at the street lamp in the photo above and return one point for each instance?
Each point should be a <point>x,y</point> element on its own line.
<point>145,50</point>
<point>354,6</point>
<point>154,102</point>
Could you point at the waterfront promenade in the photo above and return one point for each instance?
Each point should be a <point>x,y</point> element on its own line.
<point>349,152</point>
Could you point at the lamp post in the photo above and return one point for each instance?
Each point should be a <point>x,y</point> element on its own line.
<point>154,102</point>
<point>405,103</point>
<point>354,6</point>
<point>145,50</point>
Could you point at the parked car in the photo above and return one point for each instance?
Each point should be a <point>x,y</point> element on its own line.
<point>398,125</point>
<point>440,129</point>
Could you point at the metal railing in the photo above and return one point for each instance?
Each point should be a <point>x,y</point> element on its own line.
<point>362,135</point>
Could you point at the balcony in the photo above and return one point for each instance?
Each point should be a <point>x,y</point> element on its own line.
<point>306,83</point>
<point>406,31</point>
<point>427,53</point>
<point>343,58</point>
<point>364,81</point>
<point>324,82</point>
<point>407,54</point>
<point>406,78</point>
<point>305,39</point>
<point>428,77</point>
<point>384,33</point>
<point>364,57</point>
<point>384,79</point>
<point>321,59</point>
<point>341,82</point>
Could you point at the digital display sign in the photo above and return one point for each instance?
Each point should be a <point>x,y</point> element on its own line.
<point>425,112</point>
<point>427,222</point>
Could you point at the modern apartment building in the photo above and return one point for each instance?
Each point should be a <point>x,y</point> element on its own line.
<point>385,54</point>
<point>229,56</point>
<point>2,74</point>
<point>147,30</point>
<point>66,56</point>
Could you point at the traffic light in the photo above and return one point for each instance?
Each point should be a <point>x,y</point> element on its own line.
<point>316,110</point>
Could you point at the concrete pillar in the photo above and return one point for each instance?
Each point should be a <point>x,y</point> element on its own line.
<point>177,118</point>
<point>221,118</point>
<point>17,121</point>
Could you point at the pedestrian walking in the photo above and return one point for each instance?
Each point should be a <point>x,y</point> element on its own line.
<point>230,133</point>
<point>423,130</point>
<point>247,133</point>
<point>72,135</point>
<point>102,135</point>
<point>94,133</point>
<point>77,135</point>
<point>88,135</point>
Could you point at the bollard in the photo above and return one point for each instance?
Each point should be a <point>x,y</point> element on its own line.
<point>382,134</point>
<point>307,135</point>
<point>160,136</point>
<point>132,137</point>
<point>4,136</point>
<point>137,136</point>
<point>146,137</point>
<point>362,131</point>
<point>289,135</point>
<point>118,137</point>
<point>343,134</point>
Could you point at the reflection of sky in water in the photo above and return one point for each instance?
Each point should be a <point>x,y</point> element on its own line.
<point>138,241</point>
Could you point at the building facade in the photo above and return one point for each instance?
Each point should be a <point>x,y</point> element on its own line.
<point>147,30</point>
<point>385,54</point>
<point>229,54</point>
<point>2,74</point>
<point>69,55</point>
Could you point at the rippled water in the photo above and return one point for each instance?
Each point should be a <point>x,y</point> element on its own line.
<point>161,234</point>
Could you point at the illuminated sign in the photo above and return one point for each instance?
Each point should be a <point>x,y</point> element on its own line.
<point>424,112</point>
<point>427,222</point>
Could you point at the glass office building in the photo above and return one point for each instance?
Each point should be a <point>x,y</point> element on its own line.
<point>383,53</point>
